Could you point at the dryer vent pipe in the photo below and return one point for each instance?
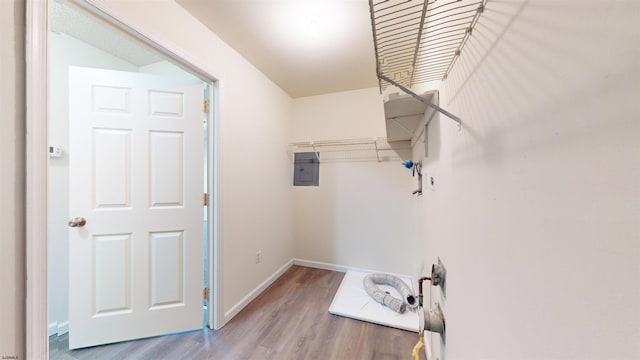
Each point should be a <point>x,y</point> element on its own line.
<point>370,283</point>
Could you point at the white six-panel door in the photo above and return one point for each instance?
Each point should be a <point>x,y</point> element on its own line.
<point>136,176</point>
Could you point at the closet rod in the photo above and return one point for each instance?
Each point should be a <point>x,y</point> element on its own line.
<point>422,100</point>
<point>344,142</point>
<point>371,144</point>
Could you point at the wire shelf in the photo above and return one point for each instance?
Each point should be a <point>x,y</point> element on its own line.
<point>418,41</point>
<point>345,150</point>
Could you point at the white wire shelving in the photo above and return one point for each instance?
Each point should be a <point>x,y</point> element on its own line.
<point>361,149</point>
<point>418,41</point>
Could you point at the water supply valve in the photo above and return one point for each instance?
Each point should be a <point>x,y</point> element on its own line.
<point>438,274</point>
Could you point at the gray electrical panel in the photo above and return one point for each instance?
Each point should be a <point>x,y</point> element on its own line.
<point>306,169</point>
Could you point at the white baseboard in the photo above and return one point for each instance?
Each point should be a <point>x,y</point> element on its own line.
<point>56,328</point>
<point>341,268</point>
<point>63,327</point>
<point>321,265</point>
<point>52,329</point>
<point>257,291</point>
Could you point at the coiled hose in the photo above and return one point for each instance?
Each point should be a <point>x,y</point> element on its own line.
<point>370,283</point>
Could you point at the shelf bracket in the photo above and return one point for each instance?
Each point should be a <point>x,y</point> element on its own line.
<point>424,101</point>
<point>413,134</point>
<point>315,151</point>
<point>375,143</point>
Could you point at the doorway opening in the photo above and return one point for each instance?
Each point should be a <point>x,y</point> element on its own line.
<point>79,38</point>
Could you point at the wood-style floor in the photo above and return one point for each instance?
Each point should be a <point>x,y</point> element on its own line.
<point>289,320</point>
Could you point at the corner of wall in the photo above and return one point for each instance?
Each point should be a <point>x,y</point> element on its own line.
<point>12,146</point>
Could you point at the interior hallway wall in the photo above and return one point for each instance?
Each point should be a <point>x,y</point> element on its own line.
<point>64,51</point>
<point>362,214</point>
<point>12,168</point>
<point>254,167</point>
<point>536,205</point>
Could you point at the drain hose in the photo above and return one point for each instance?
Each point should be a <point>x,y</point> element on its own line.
<point>370,283</point>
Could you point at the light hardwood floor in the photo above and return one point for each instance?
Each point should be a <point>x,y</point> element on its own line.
<point>289,320</point>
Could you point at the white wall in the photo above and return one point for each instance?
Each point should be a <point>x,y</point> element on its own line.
<point>64,51</point>
<point>536,208</point>
<point>12,191</point>
<point>363,213</point>
<point>342,115</point>
<point>255,172</point>
<point>166,68</point>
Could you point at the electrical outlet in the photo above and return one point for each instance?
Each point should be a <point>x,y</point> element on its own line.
<point>258,256</point>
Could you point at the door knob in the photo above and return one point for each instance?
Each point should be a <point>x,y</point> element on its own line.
<point>77,222</point>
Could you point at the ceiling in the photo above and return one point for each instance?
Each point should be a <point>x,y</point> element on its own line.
<point>85,27</point>
<point>307,47</point>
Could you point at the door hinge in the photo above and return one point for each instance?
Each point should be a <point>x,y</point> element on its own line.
<point>205,199</point>
<point>205,294</point>
<point>205,106</point>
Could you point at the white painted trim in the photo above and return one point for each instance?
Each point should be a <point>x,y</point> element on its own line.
<point>37,161</point>
<point>320,265</point>
<point>215,215</point>
<point>63,327</point>
<point>56,328</point>
<point>257,291</point>
<point>37,340</point>
<point>52,329</point>
<point>343,268</point>
<point>217,250</point>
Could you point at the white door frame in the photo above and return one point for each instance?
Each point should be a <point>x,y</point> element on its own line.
<point>37,29</point>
